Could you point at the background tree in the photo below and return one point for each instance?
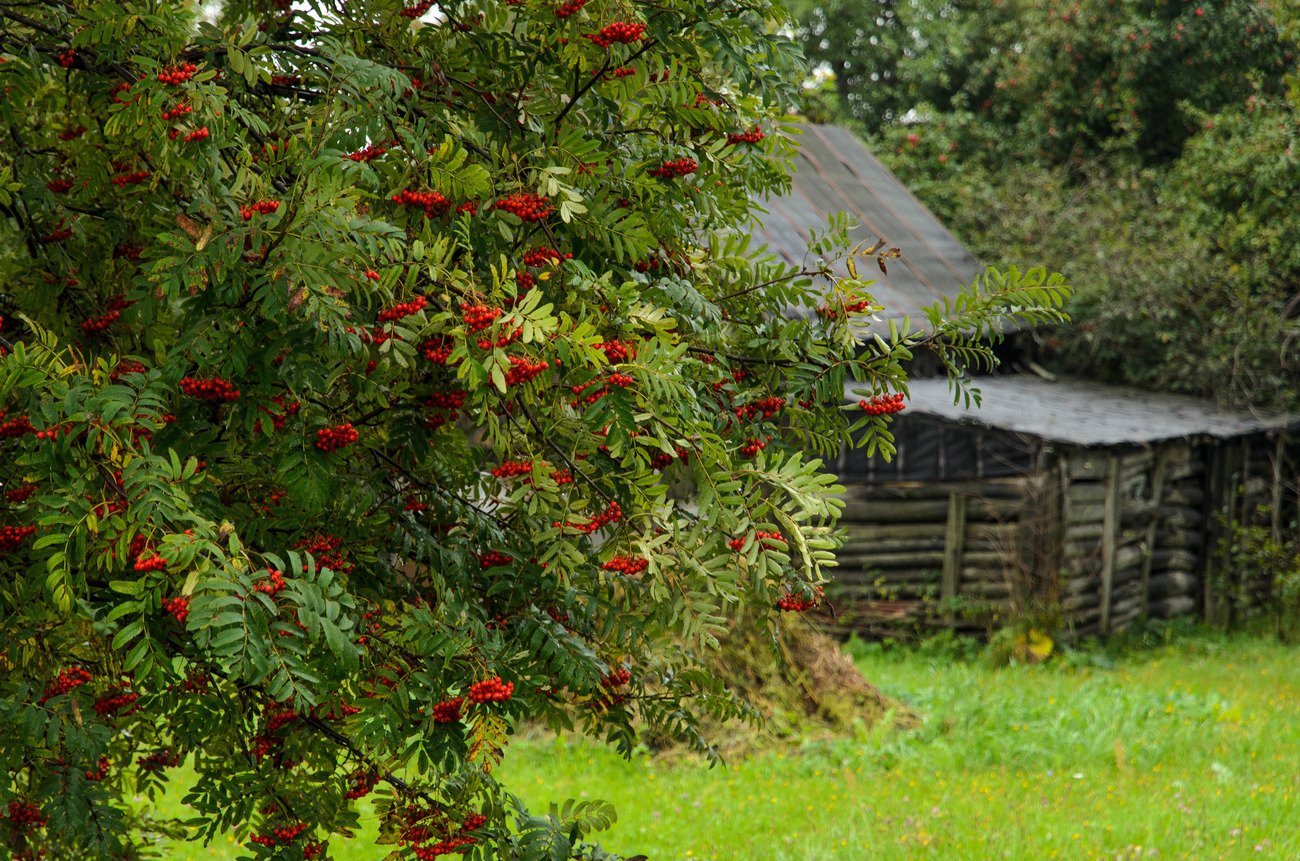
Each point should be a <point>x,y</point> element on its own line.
<point>378,376</point>
<point>1146,149</point>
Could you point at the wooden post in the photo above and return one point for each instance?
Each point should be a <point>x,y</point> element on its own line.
<point>1153,528</point>
<point>953,544</point>
<point>1109,540</point>
<point>1276,501</point>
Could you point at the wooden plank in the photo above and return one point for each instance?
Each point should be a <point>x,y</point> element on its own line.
<point>953,545</point>
<point>1110,532</point>
<point>1153,528</point>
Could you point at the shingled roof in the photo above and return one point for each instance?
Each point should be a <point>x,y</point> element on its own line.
<point>834,172</point>
<point>1086,413</point>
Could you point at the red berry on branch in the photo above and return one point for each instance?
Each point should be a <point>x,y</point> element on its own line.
<point>334,438</point>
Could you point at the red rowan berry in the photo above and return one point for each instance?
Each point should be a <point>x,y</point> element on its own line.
<point>675,168</point>
<point>197,135</point>
<point>25,815</point>
<point>491,690</point>
<point>431,202</point>
<point>59,186</point>
<point>448,711</point>
<point>213,389</point>
<point>67,679</point>
<point>620,32</point>
<point>100,771</point>
<point>883,405</point>
<point>67,58</point>
<point>493,559</point>
<point>334,438</point>
<point>753,136</point>
<point>20,494</point>
<point>273,586</point>
<point>569,7</point>
<point>629,566</point>
<point>369,152</point>
<point>177,608</point>
<point>178,74</point>
<point>12,537</point>
<point>403,309</point>
<point>527,207</point>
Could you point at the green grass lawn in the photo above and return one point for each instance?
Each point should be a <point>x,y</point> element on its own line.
<point>1189,750</point>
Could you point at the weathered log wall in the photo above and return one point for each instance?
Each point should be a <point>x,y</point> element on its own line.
<point>1110,536</point>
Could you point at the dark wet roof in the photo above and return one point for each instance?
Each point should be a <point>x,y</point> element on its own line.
<point>834,172</point>
<point>1079,412</point>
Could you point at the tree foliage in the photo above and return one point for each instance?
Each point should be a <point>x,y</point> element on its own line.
<point>1155,153</point>
<point>378,377</point>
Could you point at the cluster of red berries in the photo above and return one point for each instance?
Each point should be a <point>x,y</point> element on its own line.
<point>491,690</point>
<point>98,324</point>
<point>437,350</point>
<point>612,514</point>
<point>767,406</point>
<point>752,447</point>
<point>431,202</point>
<point>511,468</point>
<point>369,152</point>
<point>12,537</point>
<point>569,7</point>
<point>414,503</point>
<point>661,459</point>
<point>448,711</point>
<point>626,565</point>
<point>522,370</point>
<point>505,339</point>
<point>209,389</point>
<point>543,255</point>
<point>528,207</point>
<point>493,559</point>
<point>337,437</point>
<point>754,135</point>
<point>449,400</point>
<point>100,770</point>
<point>469,207</point>
<point>278,420</point>
<point>59,186</point>
<point>264,207</point>
<point>562,477</point>
<point>25,814</point>
<point>16,427</point>
<point>67,58</point>
<point>403,309</point>
<point>325,550</point>
<point>20,494</point>
<point>479,317</point>
<point>134,177</point>
<point>60,232</point>
<point>283,835</point>
<point>274,586</point>
<point>622,72</point>
<point>738,544</point>
<point>177,608</point>
<point>71,134</point>
<point>66,681</point>
<point>883,405</point>
<point>52,432</point>
<point>620,32</point>
<point>855,307</point>
<point>178,75</point>
<point>179,111</point>
<point>417,10</point>
<point>158,760</point>
<point>446,847</point>
<point>675,168</point>
<point>617,678</point>
<point>617,351</point>
<point>793,603</point>
<point>197,135</point>
<point>360,783</point>
<point>621,380</point>
<point>112,704</point>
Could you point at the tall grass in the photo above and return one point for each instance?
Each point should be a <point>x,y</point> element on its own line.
<point>1189,749</point>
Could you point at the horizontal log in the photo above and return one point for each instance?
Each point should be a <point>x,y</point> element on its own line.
<point>1172,583</point>
<point>926,510</point>
<point>1179,539</point>
<point>868,549</point>
<point>861,535</point>
<point>1081,585</point>
<point>1190,497</point>
<point>984,590</point>
<point>1079,603</point>
<point>1167,608</point>
<point>1168,560</point>
<point>970,574</point>
<point>1181,516</point>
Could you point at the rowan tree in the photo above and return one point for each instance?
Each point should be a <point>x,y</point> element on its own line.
<point>377,378</point>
